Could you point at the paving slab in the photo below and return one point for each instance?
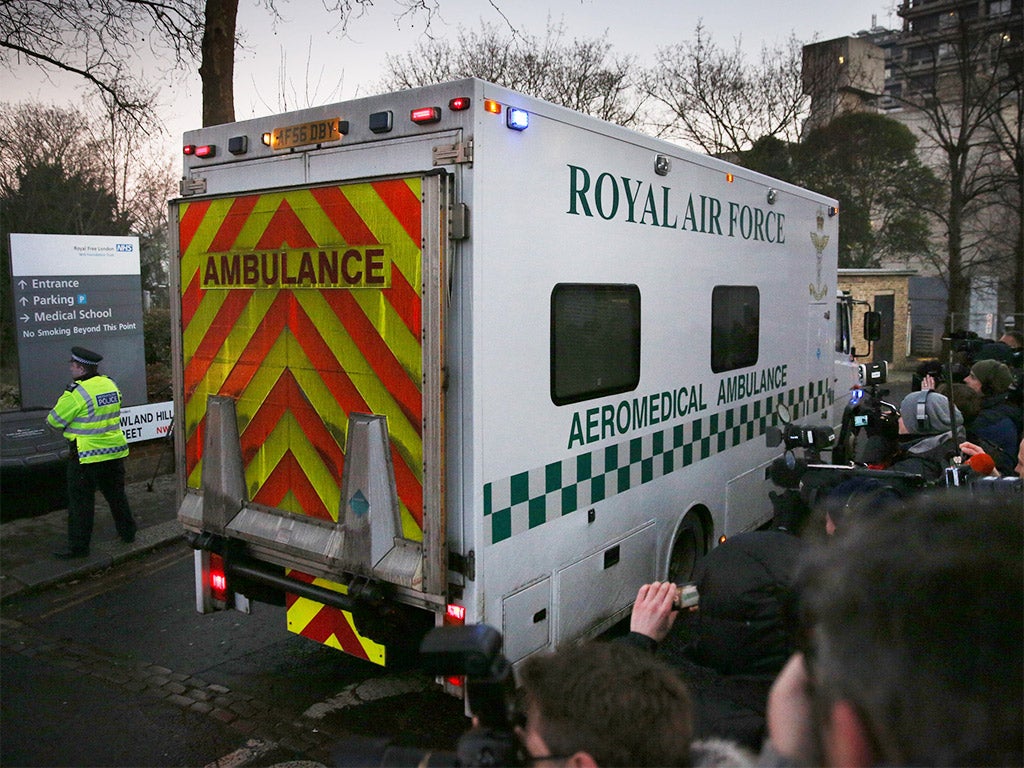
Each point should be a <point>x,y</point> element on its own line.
<point>27,544</point>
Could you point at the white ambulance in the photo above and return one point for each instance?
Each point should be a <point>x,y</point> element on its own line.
<point>456,354</point>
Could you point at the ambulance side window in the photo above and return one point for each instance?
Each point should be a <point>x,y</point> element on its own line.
<point>595,341</point>
<point>735,326</point>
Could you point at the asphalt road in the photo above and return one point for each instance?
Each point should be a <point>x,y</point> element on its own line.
<point>119,670</point>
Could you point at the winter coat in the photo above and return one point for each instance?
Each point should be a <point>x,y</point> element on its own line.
<point>927,455</point>
<point>997,429</point>
<point>730,650</point>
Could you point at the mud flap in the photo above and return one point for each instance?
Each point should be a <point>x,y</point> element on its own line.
<point>223,493</point>
<point>369,513</point>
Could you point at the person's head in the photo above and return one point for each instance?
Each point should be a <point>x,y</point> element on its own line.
<point>1013,339</point>
<point>967,400</point>
<point>927,412</point>
<point>1019,469</point>
<point>989,377</point>
<point>605,704</point>
<point>912,629</point>
<point>84,362</point>
<point>856,499</point>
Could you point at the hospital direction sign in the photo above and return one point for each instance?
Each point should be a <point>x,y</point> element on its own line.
<point>77,290</point>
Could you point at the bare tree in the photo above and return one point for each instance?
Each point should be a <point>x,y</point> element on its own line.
<point>219,37</point>
<point>31,134</point>
<point>217,69</point>
<point>582,74</point>
<point>103,151</point>
<point>1008,129</point>
<point>711,98</point>
<point>311,89</point>
<point>143,178</point>
<point>100,41</point>
<point>958,83</point>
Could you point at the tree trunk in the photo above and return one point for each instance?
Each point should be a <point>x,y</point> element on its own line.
<point>958,300</point>
<point>218,67</point>
<point>1018,270</point>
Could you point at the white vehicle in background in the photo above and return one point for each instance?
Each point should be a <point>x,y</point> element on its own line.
<point>849,373</point>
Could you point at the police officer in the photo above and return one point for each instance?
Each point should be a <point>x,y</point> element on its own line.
<point>89,416</point>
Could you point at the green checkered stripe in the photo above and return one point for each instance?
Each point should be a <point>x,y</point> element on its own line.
<point>529,499</point>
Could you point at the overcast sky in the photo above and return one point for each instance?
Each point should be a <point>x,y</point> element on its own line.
<point>321,66</point>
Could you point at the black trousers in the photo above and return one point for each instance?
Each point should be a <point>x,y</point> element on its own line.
<point>83,482</point>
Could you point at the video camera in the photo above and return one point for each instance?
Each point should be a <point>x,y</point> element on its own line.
<point>472,652</point>
<point>868,441</point>
<point>869,433</point>
<point>792,436</point>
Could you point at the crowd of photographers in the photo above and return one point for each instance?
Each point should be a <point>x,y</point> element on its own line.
<point>897,641</point>
<point>879,622</point>
<point>889,631</point>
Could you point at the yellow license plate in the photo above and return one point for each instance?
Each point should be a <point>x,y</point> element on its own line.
<point>316,132</point>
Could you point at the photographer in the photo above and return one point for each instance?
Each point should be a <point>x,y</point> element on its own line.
<point>911,642</point>
<point>604,704</point>
<point>731,646</point>
<point>999,422</point>
<point>971,450</point>
<point>927,442</point>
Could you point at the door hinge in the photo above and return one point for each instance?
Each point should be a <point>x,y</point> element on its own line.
<point>464,564</point>
<point>194,186</point>
<point>453,154</point>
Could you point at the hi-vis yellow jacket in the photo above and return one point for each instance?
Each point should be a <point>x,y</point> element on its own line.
<point>89,414</point>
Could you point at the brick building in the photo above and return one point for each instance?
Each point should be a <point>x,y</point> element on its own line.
<point>888,292</point>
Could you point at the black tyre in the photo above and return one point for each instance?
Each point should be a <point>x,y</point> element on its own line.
<point>689,547</point>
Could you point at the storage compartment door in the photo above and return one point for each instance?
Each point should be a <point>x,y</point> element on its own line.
<point>526,620</point>
<point>593,590</point>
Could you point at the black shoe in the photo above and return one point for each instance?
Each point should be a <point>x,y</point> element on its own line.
<point>128,539</point>
<point>71,554</point>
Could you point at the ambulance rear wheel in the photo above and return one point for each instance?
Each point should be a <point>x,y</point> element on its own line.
<point>687,550</point>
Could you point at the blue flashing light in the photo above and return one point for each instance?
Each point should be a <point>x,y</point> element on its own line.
<point>517,119</point>
<point>855,395</point>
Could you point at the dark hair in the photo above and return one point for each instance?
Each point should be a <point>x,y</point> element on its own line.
<point>915,619</point>
<point>860,498</point>
<point>966,399</point>
<point>621,705</point>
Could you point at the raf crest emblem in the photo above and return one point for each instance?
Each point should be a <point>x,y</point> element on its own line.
<point>819,240</point>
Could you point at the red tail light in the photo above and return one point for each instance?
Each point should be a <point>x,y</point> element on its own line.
<point>218,578</point>
<point>454,615</point>
<point>425,115</point>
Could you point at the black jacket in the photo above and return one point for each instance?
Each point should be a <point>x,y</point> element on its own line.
<point>926,455</point>
<point>731,648</point>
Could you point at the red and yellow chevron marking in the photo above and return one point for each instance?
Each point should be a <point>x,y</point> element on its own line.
<point>299,359</point>
<point>329,626</point>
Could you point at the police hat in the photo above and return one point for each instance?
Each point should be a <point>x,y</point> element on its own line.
<point>85,356</point>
